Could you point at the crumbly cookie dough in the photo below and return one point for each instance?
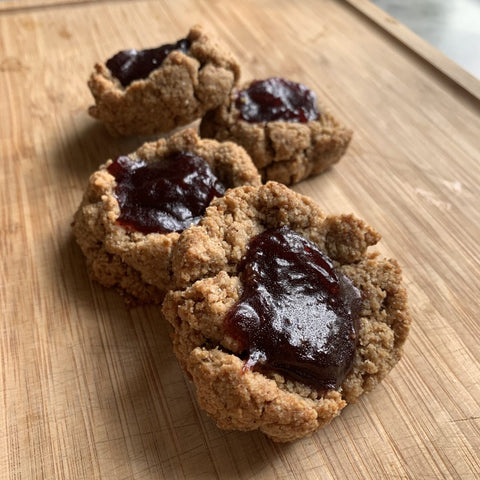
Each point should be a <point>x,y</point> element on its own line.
<point>205,263</point>
<point>180,91</point>
<point>137,264</point>
<point>286,152</point>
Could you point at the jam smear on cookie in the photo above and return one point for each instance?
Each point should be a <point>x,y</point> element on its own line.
<point>164,196</point>
<point>297,315</point>
<point>130,65</point>
<point>277,99</point>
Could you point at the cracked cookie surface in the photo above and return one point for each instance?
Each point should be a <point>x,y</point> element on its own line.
<point>139,264</point>
<point>179,91</point>
<point>205,265</point>
<point>283,151</point>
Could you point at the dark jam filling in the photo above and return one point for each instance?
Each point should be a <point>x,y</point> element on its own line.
<point>277,99</point>
<point>297,315</point>
<point>130,65</point>
<point>164,196</point>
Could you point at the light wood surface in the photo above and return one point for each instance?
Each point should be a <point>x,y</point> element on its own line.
<point>423,49</point>
<point>91,390</point>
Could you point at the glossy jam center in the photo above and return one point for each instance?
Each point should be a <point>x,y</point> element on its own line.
<point>130,65</point>
<point>297,315</point>
<point>164,196</point>
<point>277,99</point>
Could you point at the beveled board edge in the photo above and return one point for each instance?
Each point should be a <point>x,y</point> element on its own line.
<point>422,48</point>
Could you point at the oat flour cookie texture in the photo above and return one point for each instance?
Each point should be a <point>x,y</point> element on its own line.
<point>283,151</point>
<point>188,82</point>
<point>138,264</point>
<point>205,263</point>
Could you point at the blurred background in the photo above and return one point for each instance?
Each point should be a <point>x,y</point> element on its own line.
<point>452,26</point>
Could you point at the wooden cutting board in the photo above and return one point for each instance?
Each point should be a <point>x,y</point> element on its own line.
<point>92,390</point>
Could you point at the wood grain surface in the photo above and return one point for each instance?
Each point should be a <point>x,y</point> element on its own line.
<point>419,46</point>
<point>91,390</point>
